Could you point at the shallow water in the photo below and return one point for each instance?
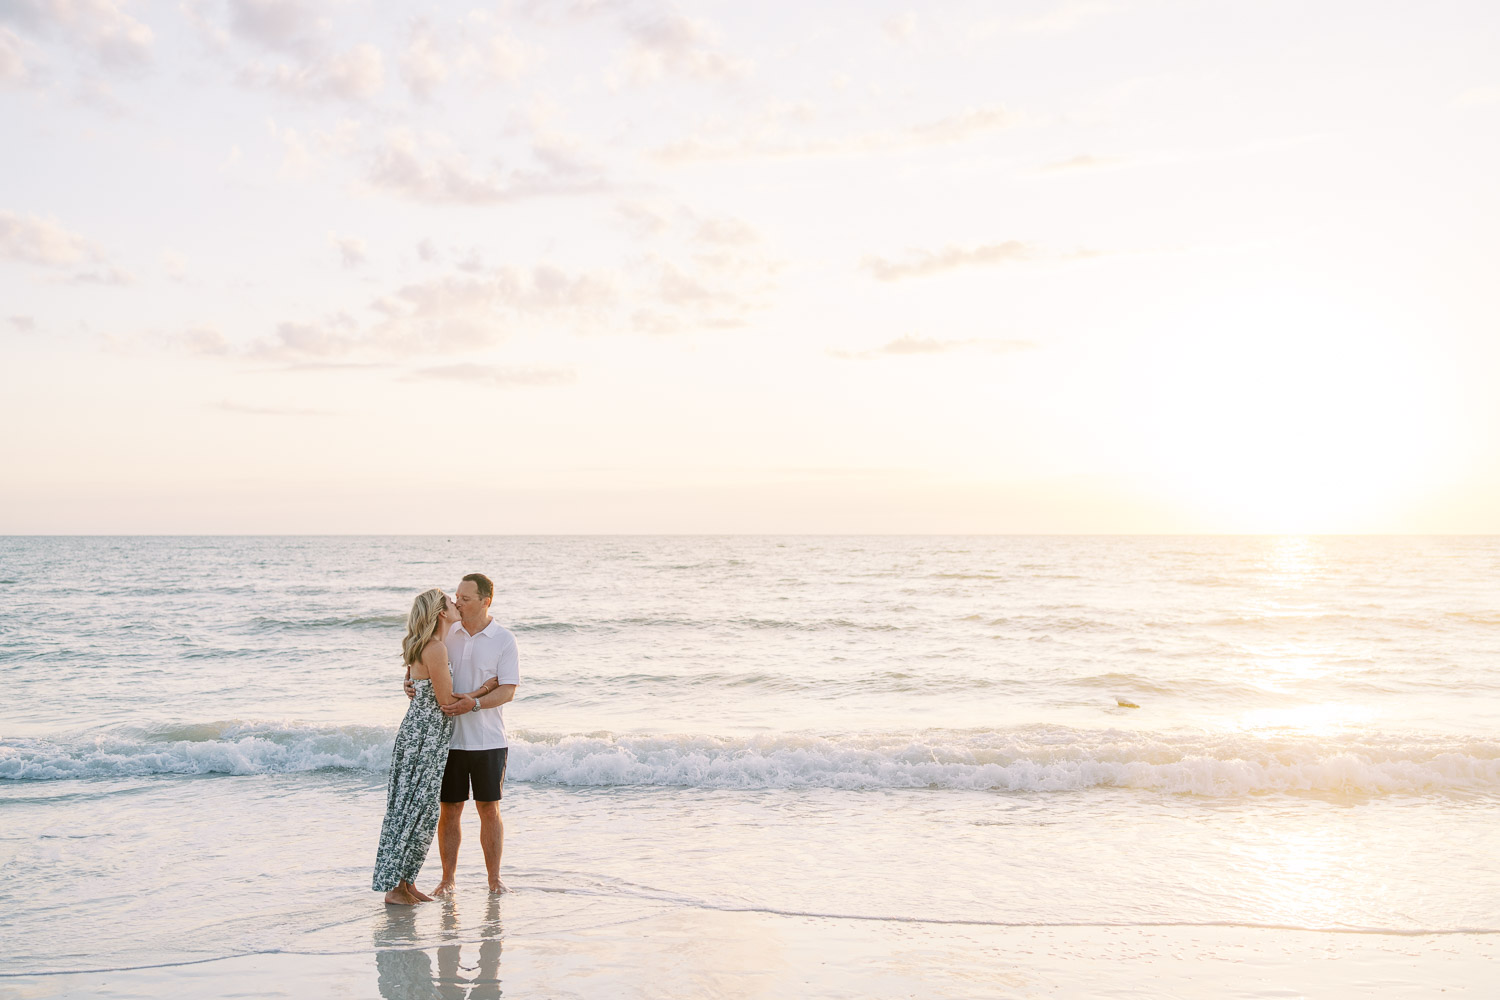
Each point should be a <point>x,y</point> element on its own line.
<point>890,728</point>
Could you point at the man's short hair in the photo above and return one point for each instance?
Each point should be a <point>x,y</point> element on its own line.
<point>486,588</point>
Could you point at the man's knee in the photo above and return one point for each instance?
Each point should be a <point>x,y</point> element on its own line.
<point>449,813</point>
<point>489,812</point>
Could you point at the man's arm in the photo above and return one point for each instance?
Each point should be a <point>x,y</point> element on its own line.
<point>493,699</point>
<point>499,696</point>
<point>489,685</point>
<point>507,676</point>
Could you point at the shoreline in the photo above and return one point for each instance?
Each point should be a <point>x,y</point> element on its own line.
<point>534,943</point>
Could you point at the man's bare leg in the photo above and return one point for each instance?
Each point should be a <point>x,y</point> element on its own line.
<point>450,833</point>
<point>492,839</point>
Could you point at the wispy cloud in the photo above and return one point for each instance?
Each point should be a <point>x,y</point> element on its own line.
<point>34,240</point>
<point>103,28</point>
<point>195,341</point>
<point>174,265</point>
<point>282,25</point>
<point>472,261</point>
<point>669,322</point>
<point>447,315</point>
<point>269,411</point>
<point>665,42</point>
<point>499,57</point>
<point>301,341</point>
<point>645,219</point>
<point>423,65</point>
<point>923,263</point>
<point>464,309</point>
<point>701,273</point>
<point>961,126</point>
<point>31,239</point>
<point>908,346</point>
<point>399,168</point>
<point>23,324</point>
<point>477,50</point>
<point>703,291</point>
<point>537,289</point>
<point>704,272</point>
<point>297,49</point>
<point>725,231</point>
<point>96,94</point>
<point>13,69</point>
<point>355,74</point>
<point>900,27</point>
<point>201,15</point>
<point>649,219</point>
<point>304,154</point>
<point>430,171</point>
<point>352,251</point>
<point>109,276</point>
<point>203,341</point>
<point>779,133</point>
<point>1083,161</point>
<point>500,377</point>
<point>331,366</point>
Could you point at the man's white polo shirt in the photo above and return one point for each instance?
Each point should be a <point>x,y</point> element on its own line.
<point>473,660</point>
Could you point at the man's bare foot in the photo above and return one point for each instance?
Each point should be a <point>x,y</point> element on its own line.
<point>497,886</point>
<point>402,896</point>
<point>443,888</point>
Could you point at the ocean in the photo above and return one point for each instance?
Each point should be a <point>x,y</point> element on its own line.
<point>1292,732</point>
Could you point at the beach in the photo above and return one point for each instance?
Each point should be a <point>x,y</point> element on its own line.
<point>765,766</point>
<point>586,947</point>
<point>982,500</point>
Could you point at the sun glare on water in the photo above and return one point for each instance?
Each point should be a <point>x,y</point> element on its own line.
<point>1294,663</point>
<point>1322,719</point>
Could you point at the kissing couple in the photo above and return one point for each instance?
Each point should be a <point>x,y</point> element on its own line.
<point>461,668</point>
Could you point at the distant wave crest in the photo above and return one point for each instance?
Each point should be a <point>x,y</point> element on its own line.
<point>1025,759</point>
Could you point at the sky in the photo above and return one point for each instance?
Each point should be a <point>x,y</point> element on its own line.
<point>1053,266</point>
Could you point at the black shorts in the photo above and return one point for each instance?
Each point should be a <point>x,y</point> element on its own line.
<point>486,768</point>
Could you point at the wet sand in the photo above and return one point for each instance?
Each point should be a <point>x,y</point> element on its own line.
<point>564,945</point>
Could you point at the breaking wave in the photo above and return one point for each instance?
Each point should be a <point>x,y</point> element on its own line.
<point>1023,759</point>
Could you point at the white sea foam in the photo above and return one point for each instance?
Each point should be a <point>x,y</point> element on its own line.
<point>210,749</point>
<point>1216,768</point>
<point>1032,759</point>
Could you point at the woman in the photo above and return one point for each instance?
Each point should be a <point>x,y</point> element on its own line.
<point>420,753</point>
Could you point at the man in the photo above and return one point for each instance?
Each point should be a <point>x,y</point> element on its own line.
<point>482,656</point>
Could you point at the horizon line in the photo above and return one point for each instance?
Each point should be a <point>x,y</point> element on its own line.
<point>766,534</point>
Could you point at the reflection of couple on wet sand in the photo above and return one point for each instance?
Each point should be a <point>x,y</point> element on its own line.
<point>461,667</point>
<point>406,973</point>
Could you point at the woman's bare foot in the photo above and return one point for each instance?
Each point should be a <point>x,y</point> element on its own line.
<point>402,895</point>
<point>443,888</point>
<point>421,895</point>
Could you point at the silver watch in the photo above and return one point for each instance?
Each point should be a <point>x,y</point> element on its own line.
<point>476,705</point>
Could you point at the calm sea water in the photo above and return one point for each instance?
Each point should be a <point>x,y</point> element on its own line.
<point>196,730</point>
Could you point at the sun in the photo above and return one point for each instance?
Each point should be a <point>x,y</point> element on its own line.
<point>1293,416</point>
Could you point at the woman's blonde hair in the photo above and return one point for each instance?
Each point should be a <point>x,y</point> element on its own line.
<point>422,623</point>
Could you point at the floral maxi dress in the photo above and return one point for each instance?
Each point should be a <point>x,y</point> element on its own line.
<point>411,805</point>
